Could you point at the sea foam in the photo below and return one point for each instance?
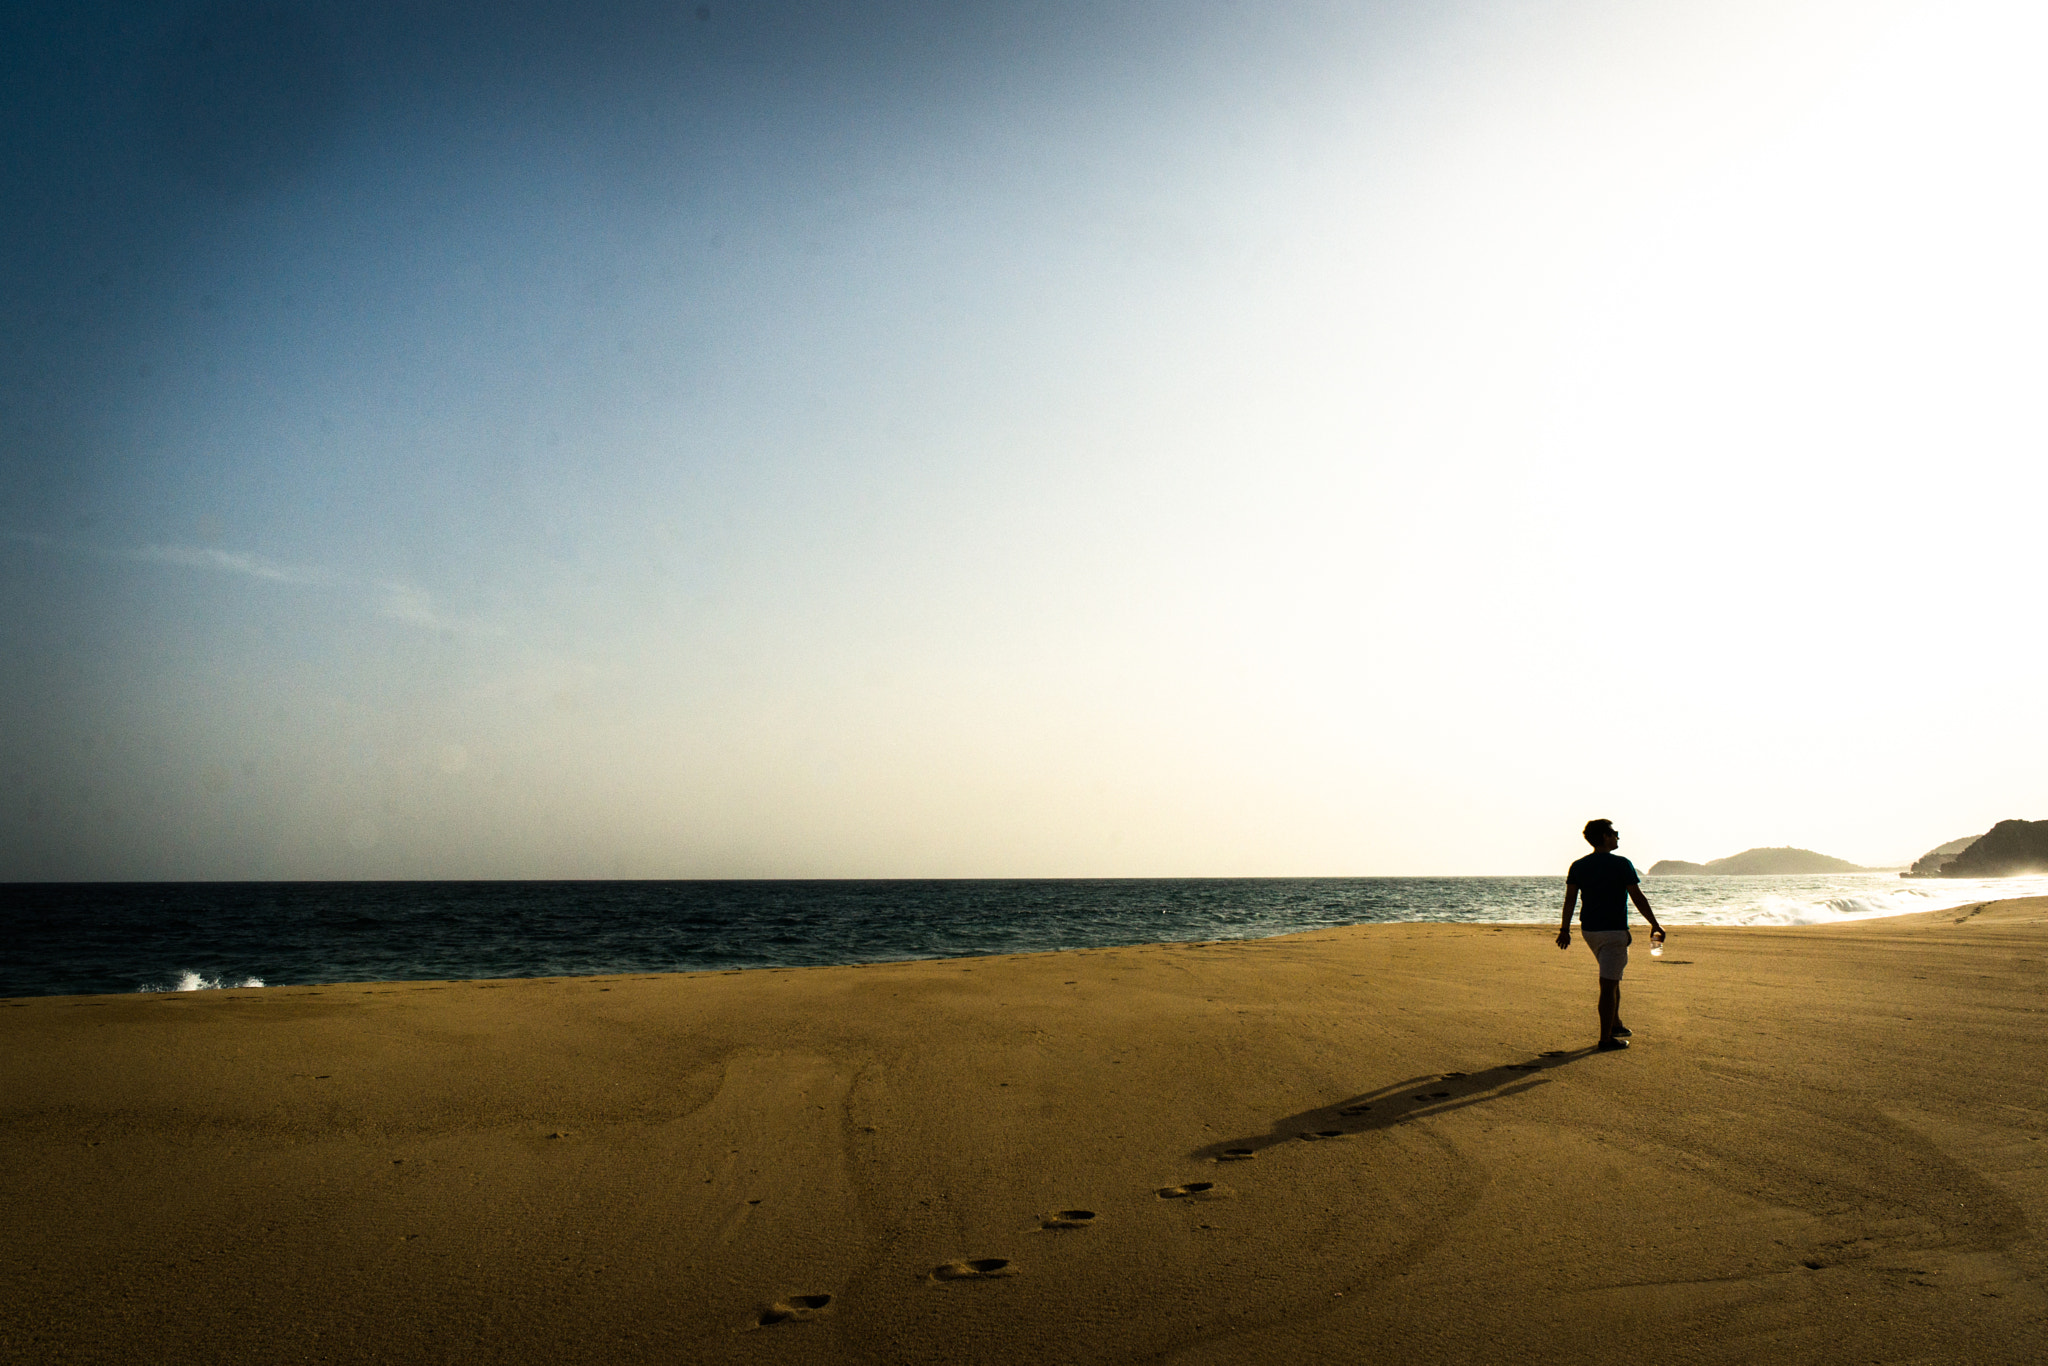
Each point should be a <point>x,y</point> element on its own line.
<point>192,981</point>
<point>1871,904</point>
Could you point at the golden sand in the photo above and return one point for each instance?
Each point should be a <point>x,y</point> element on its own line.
<point>1383,1143</point>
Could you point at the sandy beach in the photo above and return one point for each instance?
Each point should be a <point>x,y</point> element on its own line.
<point>1384,1143</point>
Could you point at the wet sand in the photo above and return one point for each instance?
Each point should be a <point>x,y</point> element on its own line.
<point>1385,1143</point>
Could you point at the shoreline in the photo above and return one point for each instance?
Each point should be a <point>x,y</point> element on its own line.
<point>242,950</point>
<point>645,974</point>
<point>1828,1142</point>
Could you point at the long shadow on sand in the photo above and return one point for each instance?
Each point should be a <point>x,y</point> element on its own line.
<point>1435,1094</point>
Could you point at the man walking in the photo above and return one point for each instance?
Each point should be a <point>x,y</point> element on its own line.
<point>1608,882</point>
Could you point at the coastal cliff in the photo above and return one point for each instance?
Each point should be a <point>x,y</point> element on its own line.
<point>2008,849</point>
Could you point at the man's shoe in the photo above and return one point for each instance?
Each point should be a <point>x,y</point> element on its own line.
<point>1609,1045</point>
<point>1624,1032</point>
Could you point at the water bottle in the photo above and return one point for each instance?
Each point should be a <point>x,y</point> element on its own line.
<point>1657,944</point>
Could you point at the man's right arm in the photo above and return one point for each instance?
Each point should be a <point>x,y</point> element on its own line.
<point>1571,902</point>
<point>1635,894</point>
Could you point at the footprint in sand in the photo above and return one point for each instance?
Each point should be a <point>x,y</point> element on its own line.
<point>795,1309</point>
<point>1354,1109</point>
<point>1196,1190</point>
<point>1069,1218</point>
<point>1236,1155</point>
<point>1452,1076</point>
<point>1523,1067</point>
<point>1554,1053</point>
<point>974,1269</point>
<point>1312,1137</point>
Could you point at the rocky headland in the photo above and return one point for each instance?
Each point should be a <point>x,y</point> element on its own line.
<point>1929,863</point>
<point>2007,849</point>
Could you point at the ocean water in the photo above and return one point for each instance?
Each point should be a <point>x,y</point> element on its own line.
<point>67,939</point>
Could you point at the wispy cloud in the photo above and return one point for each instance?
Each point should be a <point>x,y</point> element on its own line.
<point>394,600</point>
<point>415,606</point>
<point>208,557</point>
<point>184,556</point>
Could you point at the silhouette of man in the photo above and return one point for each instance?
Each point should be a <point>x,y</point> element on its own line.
<point>1608,882</point>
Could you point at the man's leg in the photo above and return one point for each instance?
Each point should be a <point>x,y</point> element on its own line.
<point>1610,1008</point>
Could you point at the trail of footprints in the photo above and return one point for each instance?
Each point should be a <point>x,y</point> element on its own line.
<point>800,1308</point>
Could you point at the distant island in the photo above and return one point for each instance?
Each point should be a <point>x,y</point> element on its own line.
<point>2007,849</point>
<point>1754,862</point>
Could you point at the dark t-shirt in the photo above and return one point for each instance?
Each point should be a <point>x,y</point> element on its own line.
<point>1603,881</point>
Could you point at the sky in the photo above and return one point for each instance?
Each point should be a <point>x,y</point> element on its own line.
<point>862,438</point>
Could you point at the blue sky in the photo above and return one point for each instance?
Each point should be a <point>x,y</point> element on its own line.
<point>956,440</point>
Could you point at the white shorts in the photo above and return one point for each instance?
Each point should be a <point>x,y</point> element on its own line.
<point>1610,947</point>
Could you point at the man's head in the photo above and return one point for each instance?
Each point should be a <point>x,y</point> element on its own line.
<point>1601,835</point>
